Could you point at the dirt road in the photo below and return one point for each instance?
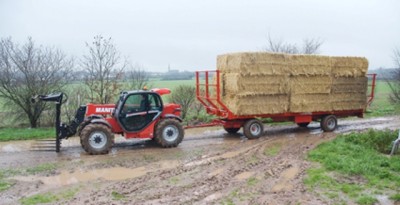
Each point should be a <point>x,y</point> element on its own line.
<point>208,167</point>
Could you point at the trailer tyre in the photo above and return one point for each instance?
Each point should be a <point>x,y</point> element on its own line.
<point>97,139</point>
<point>169,133</point>
<point>231,130</point>
<point>253,129</point>
<point>329,123</point>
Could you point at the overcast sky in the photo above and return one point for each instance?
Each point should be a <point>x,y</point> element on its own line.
<point>189,35</point>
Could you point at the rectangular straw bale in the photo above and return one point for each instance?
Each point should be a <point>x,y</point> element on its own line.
<point>348,101</point>
<point>349,66</point>
<point>310,84</point>
<point>310,103</point>
<point>257,104</point>
<point>309,65</point>
<point>253,63</point>
<point>350,85</point>
<point>229,62</point>
<point>263,84</point>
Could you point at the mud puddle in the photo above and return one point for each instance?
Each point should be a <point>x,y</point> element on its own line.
<point>109,174</point>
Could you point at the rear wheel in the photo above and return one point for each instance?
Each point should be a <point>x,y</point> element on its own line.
<point>329,123</point>
<point>97,139</point>
<point>231,130</point>
<point>303,124</point>
<point>169,133</point>
<point>253,129</point>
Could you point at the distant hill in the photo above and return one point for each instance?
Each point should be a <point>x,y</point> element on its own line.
<point>383,73</point>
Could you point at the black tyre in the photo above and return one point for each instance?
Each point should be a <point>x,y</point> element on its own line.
<point>253,129</point>
<point>329,123</point>
<point>97,139</point>
<point>231,130</point>
<point>169,133</point>
<point>153,142</point>
<point>303,124</point>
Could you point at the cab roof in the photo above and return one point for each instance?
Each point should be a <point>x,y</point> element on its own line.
<point>160,91</point>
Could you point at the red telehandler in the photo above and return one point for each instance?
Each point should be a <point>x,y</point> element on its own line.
<point>137,114</point>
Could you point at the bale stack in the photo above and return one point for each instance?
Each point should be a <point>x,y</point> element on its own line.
<point>248,79</point>
<point>272,83</point>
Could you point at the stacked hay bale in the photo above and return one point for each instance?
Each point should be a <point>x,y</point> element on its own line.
<point>272,83</point>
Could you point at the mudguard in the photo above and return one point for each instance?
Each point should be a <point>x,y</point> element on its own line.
<point>173,117</point>
<point>98,119</point>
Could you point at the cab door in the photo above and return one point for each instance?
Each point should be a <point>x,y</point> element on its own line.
<point>139,110</point>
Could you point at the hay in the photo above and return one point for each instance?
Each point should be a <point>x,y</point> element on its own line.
<point>271,83</point>
<point>350,85</point>
<point>234,83</point>
<point>348,101</point>
<point>349,66</point>
<point>253,63</point>
<point>310,103</point>
<point>310,85</point>
<point>255,104</point>
<point>308,65</point>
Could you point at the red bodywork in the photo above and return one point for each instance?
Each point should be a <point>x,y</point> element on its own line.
<point>209,94</point>
<point>106,111</point>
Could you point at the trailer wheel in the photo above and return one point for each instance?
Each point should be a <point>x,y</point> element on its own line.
<point>97,139</point>
<point>253,129</point>
<point>329,123</point>
<point>303,124</point>
<point>231,130</point>
<point>169,133</point>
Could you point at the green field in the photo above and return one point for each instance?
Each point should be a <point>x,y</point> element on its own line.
<point>7,134</point>
<point>171,84</point>
<point>380,105</point>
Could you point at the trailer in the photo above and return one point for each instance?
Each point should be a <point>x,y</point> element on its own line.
<point>208,93</point>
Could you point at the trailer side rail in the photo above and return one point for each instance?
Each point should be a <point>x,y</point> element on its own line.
<point>371,86</point>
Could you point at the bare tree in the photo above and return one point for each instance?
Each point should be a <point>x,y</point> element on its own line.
<point>76,97</point>
<point>138,78</point>
<point>104,68</point>
<point>310,46</point>
<point>394,83</point>
<point>185,96</point>
<point>28,70</point>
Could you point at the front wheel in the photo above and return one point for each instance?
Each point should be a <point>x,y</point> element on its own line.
<point>169,133</point>
<point>253,129</point>
<point>329,123</point>
<point>97,139</point>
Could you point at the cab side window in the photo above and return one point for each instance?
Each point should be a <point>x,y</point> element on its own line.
<point>155,103</point>
<point>133,104</point>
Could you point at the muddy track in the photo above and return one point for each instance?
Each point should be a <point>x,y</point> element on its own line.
<point>209,167</point>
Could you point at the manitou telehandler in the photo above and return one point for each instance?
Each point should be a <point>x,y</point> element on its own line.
<point>137,114</point>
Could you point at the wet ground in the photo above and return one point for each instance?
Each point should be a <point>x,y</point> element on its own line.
<point>208,167</point>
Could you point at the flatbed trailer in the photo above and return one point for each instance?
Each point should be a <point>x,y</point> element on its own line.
<point>208,93</point>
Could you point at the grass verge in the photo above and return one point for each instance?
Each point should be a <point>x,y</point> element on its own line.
<point>355,166</point>
<point>117,196</point>
<point>7,134</point>
<point>49,197</point>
